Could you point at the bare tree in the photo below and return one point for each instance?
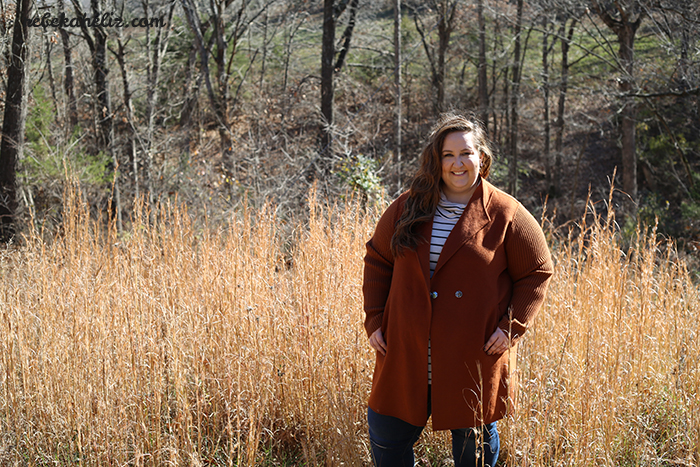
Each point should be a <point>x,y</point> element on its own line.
<point>679,21</point>
<point>554,15</point>
<point>482,65</point>
<point>192,82</point>
<point>565,41</point>
<point>624,17</point>
<point>225,23</point>
<point>498,73</point>
<point>127,93</point>
<point>48,48</point>
<point>97,43</point>
<point>71,111</point>
<point>156,46</point>
<point>332,10</point>
<point>444,11</point>
<point>13,121</point>
<point>547,46</point>
<point>291,33</point>
<point>668,96</point>
<point>397,90</point>
<point>327,56</point>
<point>514,103</point>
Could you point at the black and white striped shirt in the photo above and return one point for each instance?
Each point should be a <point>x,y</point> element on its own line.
<point>446,216</point>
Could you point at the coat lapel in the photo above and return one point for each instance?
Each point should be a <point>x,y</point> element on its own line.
<point>474,218</point>
<point>423,250</point>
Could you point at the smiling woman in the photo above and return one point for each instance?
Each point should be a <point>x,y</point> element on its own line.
<point>454,275</point>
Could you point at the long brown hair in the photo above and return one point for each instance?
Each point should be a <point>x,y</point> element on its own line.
<point>424,194</point>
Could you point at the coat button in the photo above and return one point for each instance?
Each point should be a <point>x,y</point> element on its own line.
<point>458,294</point>
<point>433,295</point>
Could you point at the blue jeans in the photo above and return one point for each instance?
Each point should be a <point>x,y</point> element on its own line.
<point>392,442</point>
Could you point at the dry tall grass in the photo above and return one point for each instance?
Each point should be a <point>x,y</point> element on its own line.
<point>176,344</point>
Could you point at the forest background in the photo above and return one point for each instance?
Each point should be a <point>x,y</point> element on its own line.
<point>240,98</point>
<point>276,124</point>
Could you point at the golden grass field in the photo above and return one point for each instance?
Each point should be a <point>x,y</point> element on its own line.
<point>179,344</point>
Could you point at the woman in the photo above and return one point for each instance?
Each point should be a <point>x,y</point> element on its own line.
<point>454,275</point>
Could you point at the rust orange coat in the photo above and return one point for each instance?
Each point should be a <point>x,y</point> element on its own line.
<point>493,272</point>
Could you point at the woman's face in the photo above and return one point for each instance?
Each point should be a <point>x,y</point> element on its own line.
<point>460,166</point>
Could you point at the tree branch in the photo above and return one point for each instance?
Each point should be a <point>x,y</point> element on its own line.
<point>347,36</point>
<point>689,92</point>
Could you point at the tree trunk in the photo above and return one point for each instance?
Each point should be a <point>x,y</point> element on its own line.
<point>445,12</point>
<point>561,104</point>
<point>265,43</point>
<point>221,105</point>
<point>397,87</point>
<point>190,100</point>
<point>288,54</point>
<point>120,55</point>
<point>482,78</point>
<point>104,108</point>
<point>545,98</point>
<point>444,31</point>
<point>155,49</point>
<point>493,96</point>
<point>68,86</point>
<point>52,81</point>
<point>327,56</point>
<point>513,105</point>
<point>196,26</point>
<point>99,65</point>
<point>347,36</point>
<point>628,113</point>
<point>97,43</point>
<point>13,122</point>
<point>624,20</point>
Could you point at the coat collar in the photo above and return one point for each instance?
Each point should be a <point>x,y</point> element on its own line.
<point>473,219</point>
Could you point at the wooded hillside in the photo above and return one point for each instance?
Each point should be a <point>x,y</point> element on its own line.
<point>213,102</point>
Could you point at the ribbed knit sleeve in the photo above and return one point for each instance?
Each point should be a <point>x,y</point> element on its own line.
<point>530,267</point>
<point>379,267</point>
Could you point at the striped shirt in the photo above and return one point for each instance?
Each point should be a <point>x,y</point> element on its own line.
<point>446,216</point>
